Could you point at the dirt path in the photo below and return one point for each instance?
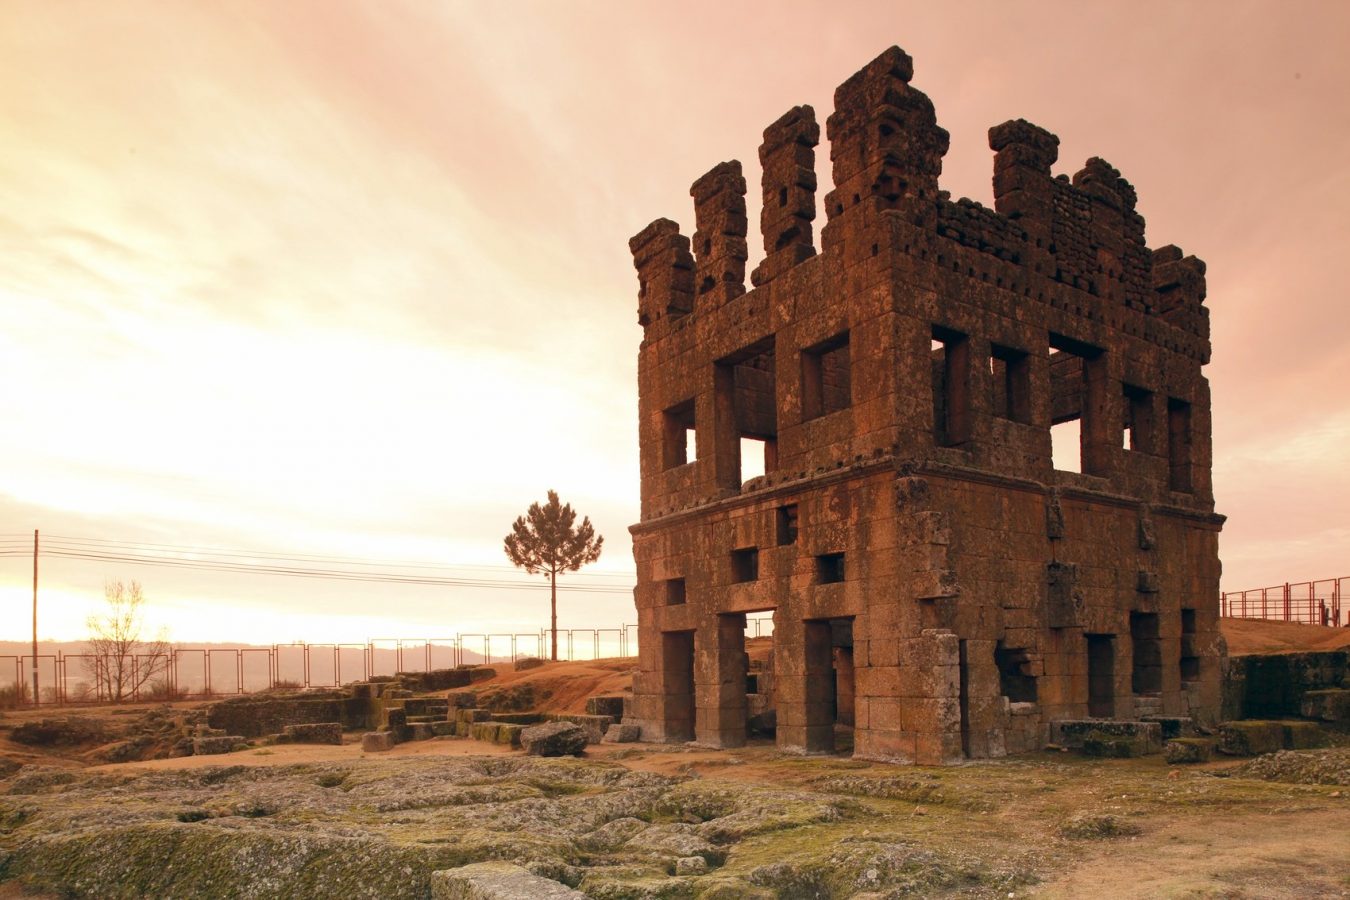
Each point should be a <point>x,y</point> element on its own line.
<point>1299,854</point>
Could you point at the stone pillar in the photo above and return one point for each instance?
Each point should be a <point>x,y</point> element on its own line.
<point>804,685</point>
<point>720,248</point>
<point>663,689</point>
<point>788,160</point>
<point>720,664</point>
<point>665,273</point>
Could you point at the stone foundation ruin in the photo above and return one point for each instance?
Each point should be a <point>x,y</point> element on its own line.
<point>934,580</point>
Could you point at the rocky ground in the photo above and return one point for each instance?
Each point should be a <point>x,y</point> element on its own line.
<point>646,821</point>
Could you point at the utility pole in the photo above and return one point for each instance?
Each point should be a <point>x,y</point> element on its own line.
<point>35,579</point>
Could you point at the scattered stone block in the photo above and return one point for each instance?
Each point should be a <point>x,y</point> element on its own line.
<point>1331,705</point>
<point>376,741</point>
<point>1172,726</point>
<point>554,739</point>
<point>211,746</point>
<point>691,865</point>
<point>527,662</point>
<point>607,705</point>
<point>595,726</point>
<point>1116,746</point>
<point>482,673</point>
<point>622,734</point>
<point>1074,733</point>
<point>314,733</point>
<point>1302,735</point>
<point>1250,737</point>
<point>1188,750</point>
<point>509,734</point>
<point>497,881</point>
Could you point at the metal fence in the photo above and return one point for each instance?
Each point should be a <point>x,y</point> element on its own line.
<point>195,672</point>
<point>201,672</point>
<point>1308,602</point>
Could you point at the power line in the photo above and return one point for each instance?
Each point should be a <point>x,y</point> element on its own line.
<point>297,566</point>
<point>151,547</point>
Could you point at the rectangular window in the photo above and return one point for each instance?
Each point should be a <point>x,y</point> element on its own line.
<point>830,568</point>
<point>1010,383</point>
<point>754,458</point>
<point>1077,395</point>
<point>1138,418</point>
<point>745,565</point>
<point>678,445</point>
<point>826,378</point>
<point>786,524</point>
<point>674,591</point>
<point>1179,444</point>
<point>951,387</point>
<point>747,410</point>
<point>1016,679</point>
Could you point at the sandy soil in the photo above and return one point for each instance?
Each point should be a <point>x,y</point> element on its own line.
<point>1247,636</point>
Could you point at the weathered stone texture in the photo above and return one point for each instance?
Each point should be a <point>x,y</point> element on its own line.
<point>553,739</point>
<point>496,881</point>
<point>935,581</point>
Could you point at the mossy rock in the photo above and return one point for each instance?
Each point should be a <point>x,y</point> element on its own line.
<point>1098,827</point>
<point>1303,735</point>
<point>1188,750</point>
<point>1250,737</point>
<point>1114,746</point>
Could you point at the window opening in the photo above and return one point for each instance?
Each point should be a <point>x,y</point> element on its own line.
<point>1010,384</point>
<point>674,592</point>
<point>826,378</point>
<point>950,364</point>
<point>1138,418</point>
<point>745,565</point>
<point>679,442</point>
<point>786,524</point>
<point>830,568</point>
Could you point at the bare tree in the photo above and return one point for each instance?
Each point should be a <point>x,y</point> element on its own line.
<point>120,661</point>
<point>544,542</point>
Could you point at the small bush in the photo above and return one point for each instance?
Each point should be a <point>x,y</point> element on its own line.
<point>1097,827</point>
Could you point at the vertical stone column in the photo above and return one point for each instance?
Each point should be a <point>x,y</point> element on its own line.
<point>885,144</point>
<point>665,273</point>
<point>1102,427</point>
<point>720,665</point>
<point>663,699</point>
<point>803,683</point>
<point>1023,155</point>
<point>788,160</point>
<point>720,248</point>
<point>934,715</point>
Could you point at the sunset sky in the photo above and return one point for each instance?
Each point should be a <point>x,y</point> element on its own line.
<point>351,280</point>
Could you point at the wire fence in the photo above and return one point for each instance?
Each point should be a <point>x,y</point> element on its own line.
<point>1307,602</point>
<point>183,673</point>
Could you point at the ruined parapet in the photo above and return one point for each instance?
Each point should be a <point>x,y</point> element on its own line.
<point>886,147</point>
<point>788,161</point>
<point>665,273</point>
<point>720,248</point>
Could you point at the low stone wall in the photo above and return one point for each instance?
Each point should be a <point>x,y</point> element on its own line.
<point>255,716</point>
<point>1271,686</point>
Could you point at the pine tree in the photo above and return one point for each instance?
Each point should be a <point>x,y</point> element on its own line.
<point>545,541</point>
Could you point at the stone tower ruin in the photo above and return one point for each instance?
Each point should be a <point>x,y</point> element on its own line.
<point>934,580</point>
